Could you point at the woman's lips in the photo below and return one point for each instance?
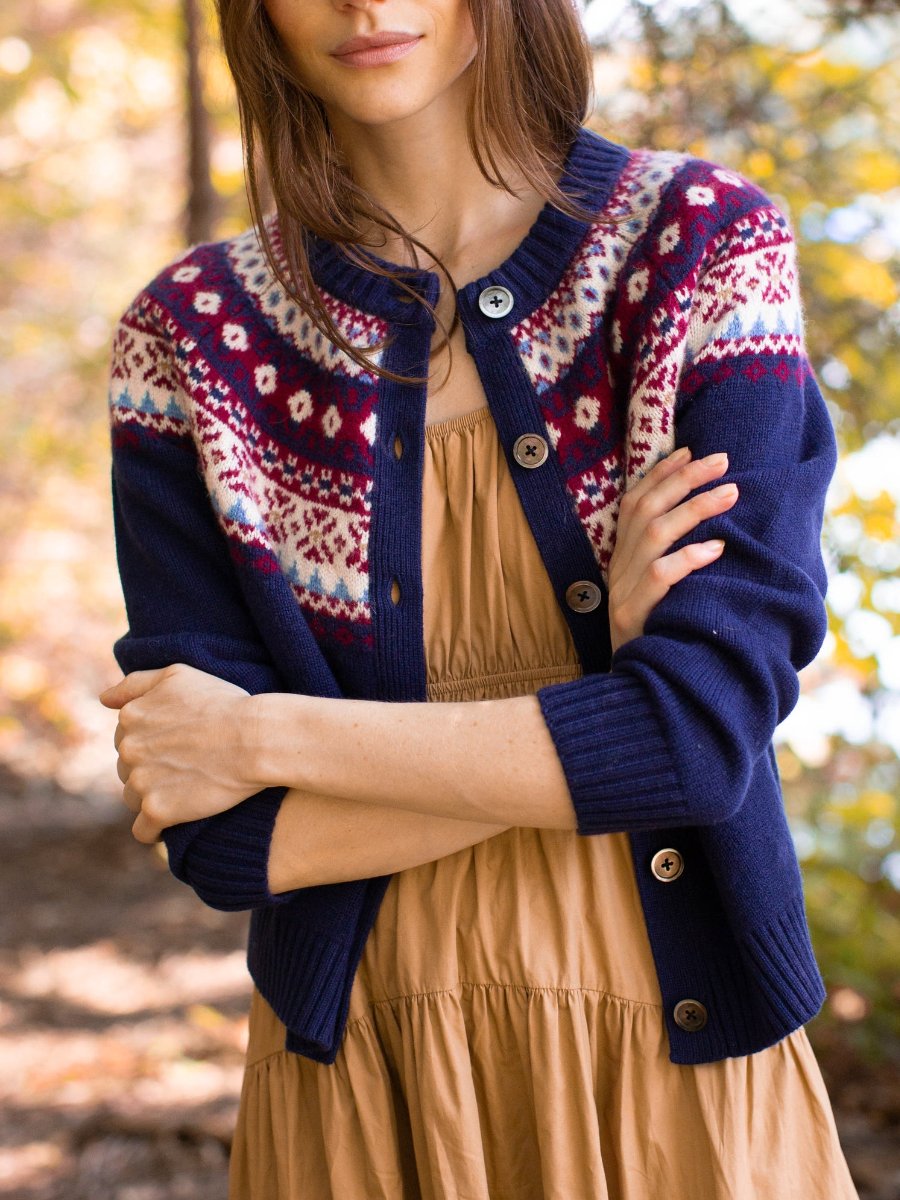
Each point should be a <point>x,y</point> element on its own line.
<point>374,56</point>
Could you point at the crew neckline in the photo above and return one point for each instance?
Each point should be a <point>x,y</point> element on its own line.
<point>591,169</point>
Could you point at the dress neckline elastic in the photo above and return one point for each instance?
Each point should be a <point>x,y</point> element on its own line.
<point>438,429</point>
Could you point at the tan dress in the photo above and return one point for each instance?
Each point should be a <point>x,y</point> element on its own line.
<point>505,1038</point>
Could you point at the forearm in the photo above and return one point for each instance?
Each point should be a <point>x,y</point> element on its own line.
<point>490,761</point>
<point>324,839</point>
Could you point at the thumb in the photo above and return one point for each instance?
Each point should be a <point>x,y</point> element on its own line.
<point>134,684</point>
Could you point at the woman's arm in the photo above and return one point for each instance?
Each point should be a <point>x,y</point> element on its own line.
<point>185,744</point>
<point>322,839</point>
<point>182,598</point>
<point>472,760</point>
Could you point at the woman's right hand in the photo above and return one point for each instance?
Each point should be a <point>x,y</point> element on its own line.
<point>651,518</point>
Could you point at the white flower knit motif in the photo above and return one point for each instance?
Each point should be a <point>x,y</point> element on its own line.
<point>637,284</point>
<point>265,377</point>
<point>729,177</point>
<point>669,238</point>
<point>207,302</point>
<point>587,411</point>
<point>331,421</point>
<point>185,274</point>
<point>698,194</point>
<point>235,336</point>
<point>300,405</point>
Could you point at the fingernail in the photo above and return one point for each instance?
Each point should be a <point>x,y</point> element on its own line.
<point>681,453</point>
<point>714,546</point>
<point>716,460</point>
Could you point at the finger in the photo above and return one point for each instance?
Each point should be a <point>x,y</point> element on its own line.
<point>661,470</point>
<point>134,684</point>
<point>677,484</point>
<point>681,563</point>
<point>669,527</point>
<point>663,572</point>
<point>145,830</point>
<point>130,798</point>
<point>660,532</point>
<point>122,770</point>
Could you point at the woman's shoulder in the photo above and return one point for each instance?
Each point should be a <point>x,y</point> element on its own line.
<point>679,205</point>
<point>697,233</point>
<point>203,285</point>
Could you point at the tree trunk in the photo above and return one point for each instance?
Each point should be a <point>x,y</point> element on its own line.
<point>202,200</point>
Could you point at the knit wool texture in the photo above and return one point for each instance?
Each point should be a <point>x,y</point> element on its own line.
<point>262,514</point>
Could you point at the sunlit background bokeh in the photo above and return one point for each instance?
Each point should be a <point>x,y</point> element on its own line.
<point>96,179</point>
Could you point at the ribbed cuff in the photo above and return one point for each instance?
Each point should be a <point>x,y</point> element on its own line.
<point>225,858</point>
<point>614,753</point>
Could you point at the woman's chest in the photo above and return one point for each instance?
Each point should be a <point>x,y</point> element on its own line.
<point>455,387</point>
<point>316,471</point>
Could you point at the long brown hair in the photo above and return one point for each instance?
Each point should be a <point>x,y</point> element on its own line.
<point>537,47</point>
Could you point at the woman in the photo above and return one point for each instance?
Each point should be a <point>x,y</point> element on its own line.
<point>342,479</point>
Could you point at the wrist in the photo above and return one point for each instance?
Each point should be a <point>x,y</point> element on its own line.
<point>276,741</point>
<point>254,738</point>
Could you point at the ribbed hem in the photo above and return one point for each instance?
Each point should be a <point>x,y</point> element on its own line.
<point>755,995</point>
<point>786,967</point>
<point>228,866</point>
<point>614,754</point>
<point>305,974</point>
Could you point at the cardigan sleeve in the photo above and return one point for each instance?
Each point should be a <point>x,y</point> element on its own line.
<point>669,736</point>
<point>182,598</point>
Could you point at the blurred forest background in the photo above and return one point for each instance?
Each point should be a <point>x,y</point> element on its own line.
<point>122,1006</point>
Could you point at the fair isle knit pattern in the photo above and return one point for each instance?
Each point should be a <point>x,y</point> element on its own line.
<point>262,516</point>
<point>303,517</point>
<point>310,518</point>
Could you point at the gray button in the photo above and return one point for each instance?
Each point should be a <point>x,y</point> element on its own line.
<point>667,864</point>
<point>690,1015</point>
<point>583,596</point>
<point>495,301</point>
<point>530,450</point>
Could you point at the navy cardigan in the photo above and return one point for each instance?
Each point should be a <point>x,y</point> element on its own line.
<point>261,514</point>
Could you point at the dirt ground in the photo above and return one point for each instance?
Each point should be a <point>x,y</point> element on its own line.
<point>123,1021</point>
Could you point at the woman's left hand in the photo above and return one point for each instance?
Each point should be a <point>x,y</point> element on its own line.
<point>181,737</point>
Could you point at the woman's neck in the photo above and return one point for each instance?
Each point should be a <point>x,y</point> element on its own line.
<point>424,173</point>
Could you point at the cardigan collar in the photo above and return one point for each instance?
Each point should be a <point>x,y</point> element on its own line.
<point>590,170</point>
